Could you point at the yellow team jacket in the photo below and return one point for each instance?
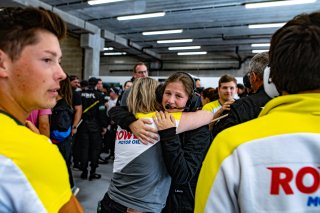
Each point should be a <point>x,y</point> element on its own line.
<point>269,164</point>
<point>33,174</point>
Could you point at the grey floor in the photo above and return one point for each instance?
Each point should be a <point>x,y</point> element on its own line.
<point>93,191</point>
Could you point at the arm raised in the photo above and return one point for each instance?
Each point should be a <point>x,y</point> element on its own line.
<point>194,120</point>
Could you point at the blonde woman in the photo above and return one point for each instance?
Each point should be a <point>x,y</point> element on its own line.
<point>141,181</point>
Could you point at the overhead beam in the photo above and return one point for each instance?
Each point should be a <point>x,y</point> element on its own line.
<point>129,44</point>
<point>70,19</point>
<point>90,28</point>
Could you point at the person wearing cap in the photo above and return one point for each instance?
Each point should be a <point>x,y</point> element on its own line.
<point>271,164</point>
<point>84,84</point>
<point>93,125</point>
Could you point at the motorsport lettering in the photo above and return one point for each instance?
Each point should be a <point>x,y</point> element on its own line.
<point>125,137</point>
<point>284,178</point>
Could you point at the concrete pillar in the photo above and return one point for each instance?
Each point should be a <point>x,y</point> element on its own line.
<point>92,44</point>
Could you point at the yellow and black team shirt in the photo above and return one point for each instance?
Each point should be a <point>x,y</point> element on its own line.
<point>213,106</point>
<point>269,164</point>
<point>33,175</point>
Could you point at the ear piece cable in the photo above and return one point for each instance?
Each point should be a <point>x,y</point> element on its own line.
<point>218,118</point>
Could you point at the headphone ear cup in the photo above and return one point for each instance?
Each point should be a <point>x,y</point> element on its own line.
<point>194,103</point>
<point>269,86</point>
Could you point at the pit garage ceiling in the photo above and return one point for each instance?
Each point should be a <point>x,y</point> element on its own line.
<point>219,27</point>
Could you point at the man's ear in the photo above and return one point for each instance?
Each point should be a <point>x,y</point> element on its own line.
<point>254,76</point>
<point>4,59</point>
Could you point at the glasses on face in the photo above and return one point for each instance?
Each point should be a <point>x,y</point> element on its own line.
<point>142,72</point>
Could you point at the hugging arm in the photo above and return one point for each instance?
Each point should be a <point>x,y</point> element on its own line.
<point>194,120</point>
<point>122,117</point>
<point>138,127</point>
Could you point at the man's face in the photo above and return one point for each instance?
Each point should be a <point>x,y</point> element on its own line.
<point>75,84</point>
<point>113,95</point>
<point>128,85</point>
<point>140,72</point>
<point>240,91</point>
<point>227,91</point>
<point>198,84</point>
<point>99,86</point>
<point>34,77</point>
<point>255,81</point>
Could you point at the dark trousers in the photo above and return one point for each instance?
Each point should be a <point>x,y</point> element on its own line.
<point>75,151</point>
<point>111,138</point>
<point>65,149</point>
<point>90,145</point>
<point>110,206</point>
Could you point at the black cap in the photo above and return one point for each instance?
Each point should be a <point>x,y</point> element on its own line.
<point>116,90</point>
<point>92,81</point>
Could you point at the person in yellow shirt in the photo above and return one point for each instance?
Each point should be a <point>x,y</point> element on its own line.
<point>33,175</point>
<point>226,90</point>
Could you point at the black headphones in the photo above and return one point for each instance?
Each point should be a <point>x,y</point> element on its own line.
<point>159,92</point>
<point>194,101</point>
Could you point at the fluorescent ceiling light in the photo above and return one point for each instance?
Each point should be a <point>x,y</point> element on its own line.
<point>119,61</point>
<point>259,51</point>
<point>94,2</point>
<point>174,41</point>
<point>141,16</point>
<point>162,32</point>
<point>192,53</point>
<point>261,45</point>
<point>108,48</point>
<point>184,48</point>
<point>115,53</point>
<point>277,3</point>
<point>253,26</point>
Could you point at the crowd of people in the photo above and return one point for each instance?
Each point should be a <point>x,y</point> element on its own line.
<point>175,146</point>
